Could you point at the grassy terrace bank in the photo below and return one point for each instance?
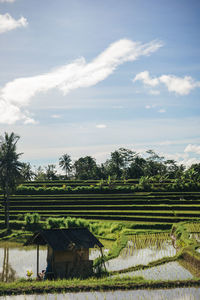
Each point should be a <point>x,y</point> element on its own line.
<point>113,215</point>
<point>155,206</point>
<point>92,284</point>
<point>107,283</point>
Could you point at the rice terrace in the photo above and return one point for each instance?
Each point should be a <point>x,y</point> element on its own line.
<point>99,150</point>
<point>99,238</point>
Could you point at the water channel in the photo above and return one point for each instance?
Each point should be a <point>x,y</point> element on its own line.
<point>167,294</point>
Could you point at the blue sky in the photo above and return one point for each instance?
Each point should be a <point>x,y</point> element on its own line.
<point>86,77</point>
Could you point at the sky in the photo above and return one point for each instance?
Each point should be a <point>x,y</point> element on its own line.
<point>86,77</point>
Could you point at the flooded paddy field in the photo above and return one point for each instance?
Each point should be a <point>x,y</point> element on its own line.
<point>165,272</point>
<point>161,294</point>
<point>16,261</point>
<point>195,236</point>
<point>141,250</point>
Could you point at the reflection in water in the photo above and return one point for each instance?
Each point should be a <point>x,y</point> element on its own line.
<point>168,271</point>
<point>141,250</point>
<point>8,273</point>
<point>16,262</point>
<point>168,294</point>
<point>195,236</point>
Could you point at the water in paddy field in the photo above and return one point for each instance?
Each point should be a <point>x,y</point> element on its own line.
<point>165,272</point>
<point>195,236</point>
<point>141,251</point>
<point>167,294</point>
<point>16,261</point>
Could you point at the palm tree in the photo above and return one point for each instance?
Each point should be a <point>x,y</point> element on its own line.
<point>65,164</point>
<point>10,168</point>
<point>26,172</point>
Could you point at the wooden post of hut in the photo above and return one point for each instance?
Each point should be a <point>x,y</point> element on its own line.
<point>38,251</point>
<point>67,251</point>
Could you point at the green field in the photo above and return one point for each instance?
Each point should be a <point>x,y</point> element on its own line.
<point>146,207</point>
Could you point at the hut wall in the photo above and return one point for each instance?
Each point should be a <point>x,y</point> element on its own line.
<point>49,254</point>
<point>61,256</point>
<point>82,269</point>
<point>72,264</point>
<point>66,256</point>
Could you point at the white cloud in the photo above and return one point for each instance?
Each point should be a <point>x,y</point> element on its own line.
<point>181,158</point>
<point>16,95</point>
<point>190,161</point>
<point>178,85</point>
<point>154,92</point>
<point>181,86</point>
<point>192,148</point>
<point>144,76</point>
<point>162,110</point>
<point>9,1</point>
<point>101,126</point>
<point>8,23</point>
<point>166,143</point>
<point>150,106</point>
<point>56,116</point>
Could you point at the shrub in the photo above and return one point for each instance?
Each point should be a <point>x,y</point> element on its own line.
<point>20,217</point>
<point>36,218</point>
<point>28,218</point>
<point>94,227</point>
<point>115,227</point>
<point>54,223</point>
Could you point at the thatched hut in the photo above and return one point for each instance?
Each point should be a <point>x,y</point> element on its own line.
<point>67,251</point>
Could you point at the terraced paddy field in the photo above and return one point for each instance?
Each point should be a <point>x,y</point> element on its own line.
<point>154,207</point>
<point>143,253</point>
<point>149,265</point>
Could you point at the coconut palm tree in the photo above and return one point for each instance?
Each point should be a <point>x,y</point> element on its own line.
<point>10,168</point>
<point>26,172</point>
<point>65,164</point>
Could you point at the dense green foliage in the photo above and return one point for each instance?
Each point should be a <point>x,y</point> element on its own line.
<point>122,164</point>
<point>10,169</point>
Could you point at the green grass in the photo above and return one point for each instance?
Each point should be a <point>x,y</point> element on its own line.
<point>155,207</point>
<point>91,284</point>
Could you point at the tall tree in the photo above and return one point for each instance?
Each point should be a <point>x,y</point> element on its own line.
<point>116,164</point>
<point>40,174</point>
<point>51,172</point>
<point>154,164</point>
<point>86,168</point>
<point>65,163</point>
<point>136,169</point>
<point>10,168</point>
<point>26,172</point>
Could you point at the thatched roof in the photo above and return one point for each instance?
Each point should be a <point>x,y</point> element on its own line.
<point>65,239</point>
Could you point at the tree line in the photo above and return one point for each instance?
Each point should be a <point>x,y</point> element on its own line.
<point>122,164</point>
